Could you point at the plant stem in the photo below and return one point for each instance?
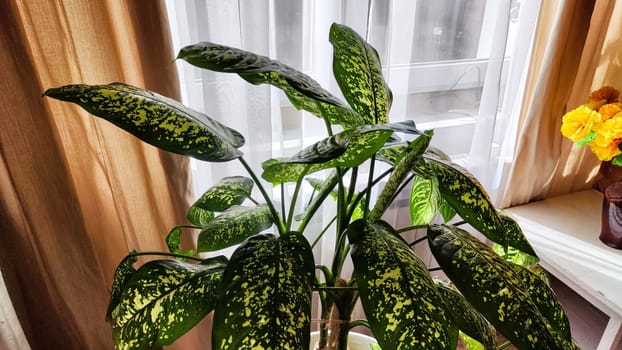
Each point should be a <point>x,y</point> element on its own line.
<point>317,204</point>
<point>418,240</point>
<point>370,181</point>
<point>174,255</point>
<point>410,228</point>
<point>275,215</point>
<point>319,237</point>
<point>292,204</point>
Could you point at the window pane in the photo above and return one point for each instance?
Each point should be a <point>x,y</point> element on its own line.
<point>447,29</point>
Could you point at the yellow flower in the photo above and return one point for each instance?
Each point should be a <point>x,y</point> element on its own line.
<point>605,153</point>
<point>608,131</point>
<point>576,124</point>
<point>609,110</point>
<point>602,96</point>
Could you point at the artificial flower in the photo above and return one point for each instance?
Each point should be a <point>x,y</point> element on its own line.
<point>598,124</point>
<point>577,124</point>
<point>603,96</point>
<point>609,110</point>
<point>605,153</point>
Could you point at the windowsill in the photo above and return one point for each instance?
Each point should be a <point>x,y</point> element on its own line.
<point>564,233</point>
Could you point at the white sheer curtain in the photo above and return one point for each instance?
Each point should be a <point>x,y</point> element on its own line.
<point>455,66</point>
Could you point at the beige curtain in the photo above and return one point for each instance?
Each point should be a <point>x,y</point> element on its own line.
<point>577,50</point>
<point>76,192</point>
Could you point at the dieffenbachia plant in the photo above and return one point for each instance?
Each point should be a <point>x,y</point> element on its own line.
<point>261,296</point>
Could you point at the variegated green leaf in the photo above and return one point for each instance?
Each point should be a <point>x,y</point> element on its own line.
<point>515,235</point>
<point>155,119</point>
<point>393,153</point>
<point>163,300</point>
<point>234,226</point>
<point>122,274</point>
<point>467,196</point>
<point>265,295</point>
<point>302,91</point>
<point>544,298</point>
<point>173,242</point>
<point>324,150</point>
<point>229,191</point>
<point>401,302</point>
<point>415,150</point>
<point>424,198</point>
<point>514,255</point>
<point>468,320</point>
<point>494,288</point>
<point>361,147</point>
<point>357,69</point>
<point>199,216</point>
<point>446,210</point>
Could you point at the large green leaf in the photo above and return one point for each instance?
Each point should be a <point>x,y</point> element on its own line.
<point>229,191</point>
<point>265,295</point>
<point>173,242</point>
<point>362,146</point>
<point>494,288</point>
<point>122,274</point>
<point>544,298</point>
<point>413,155</point>
<point>303,92</point>
<point>234,226</point>
<point>358,72</point>
<point>466,195</point>
<point>324,150</point>
<point>515,235</point>
<point>199,216</point>
<point>468,320</point>
<point>155,119</point>
<point>401,302</point>
<point>164,299</point>
<point>424,199</point>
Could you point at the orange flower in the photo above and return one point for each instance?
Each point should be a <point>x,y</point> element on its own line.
<point>609,110</point>
<point>603,96</point>
<point>577,124</point>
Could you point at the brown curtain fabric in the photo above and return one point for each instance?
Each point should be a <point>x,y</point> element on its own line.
<point>76,192</point>
<point>576,50</point>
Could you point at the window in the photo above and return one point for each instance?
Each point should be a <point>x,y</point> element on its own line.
<point>455,66</point>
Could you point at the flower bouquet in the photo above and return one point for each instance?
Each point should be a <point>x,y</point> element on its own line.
<point>598,124</point>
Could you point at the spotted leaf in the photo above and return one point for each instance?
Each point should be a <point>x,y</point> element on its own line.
<point>362,146</point>
<point>544,298</point>
<point>468,320</point>
<point>173,242</point>
<point>265,295</point>
<point>357,69</point>
<point>403,307</point>
<point>163,300</point>
<point>494,288</point>
<point>199,216</point>
<point>413,155</point>
<point>229,191</point>
<point>155,119</point>
<point>122,274</point>
<point>515,235</point>
<point>324,150</point>
<point>466,195</point>
<point>302,91</point>
<point>233,227</point>
<point>424,199</point>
